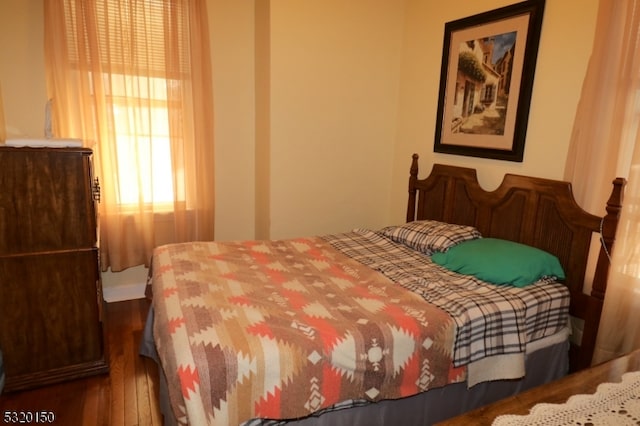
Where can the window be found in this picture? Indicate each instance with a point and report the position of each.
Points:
(142, 137)
(489, 91)
(132, 50)
(133, 79)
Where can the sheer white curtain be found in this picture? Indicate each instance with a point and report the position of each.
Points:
(620, 326)
(134, 78)
(605, 145)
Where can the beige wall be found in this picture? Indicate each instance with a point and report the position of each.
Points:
(335, 72)
(22, 67)
(232, 26)
(319, 105)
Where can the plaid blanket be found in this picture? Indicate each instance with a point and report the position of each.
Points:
(490, 320)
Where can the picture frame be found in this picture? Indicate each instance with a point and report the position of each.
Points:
(486, 81)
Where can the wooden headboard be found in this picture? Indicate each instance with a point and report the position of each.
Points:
(538, 212)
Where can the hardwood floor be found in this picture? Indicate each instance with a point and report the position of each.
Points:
(127, 396)
(583, 382)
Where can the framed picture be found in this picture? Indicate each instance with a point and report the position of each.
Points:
(488, 65)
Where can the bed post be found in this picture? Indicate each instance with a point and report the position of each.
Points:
(609, 225)
(413, 177)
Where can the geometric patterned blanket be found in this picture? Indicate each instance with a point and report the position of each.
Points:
(281, 329)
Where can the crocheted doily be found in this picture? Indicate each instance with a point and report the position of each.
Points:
(615, 404)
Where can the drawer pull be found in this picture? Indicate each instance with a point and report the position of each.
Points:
(96, 190)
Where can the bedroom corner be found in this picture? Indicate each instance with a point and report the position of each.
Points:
(374, 144)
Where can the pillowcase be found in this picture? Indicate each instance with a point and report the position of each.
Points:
(500, 262)
(430, 236)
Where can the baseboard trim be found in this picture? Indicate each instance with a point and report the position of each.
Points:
(123, 292)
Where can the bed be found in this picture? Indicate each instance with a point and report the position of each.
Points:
(385, 326)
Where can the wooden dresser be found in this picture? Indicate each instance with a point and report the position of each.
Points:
(51, 306)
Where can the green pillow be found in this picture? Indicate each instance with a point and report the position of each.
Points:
(500, 261)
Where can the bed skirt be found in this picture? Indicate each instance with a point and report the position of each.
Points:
(543, 365)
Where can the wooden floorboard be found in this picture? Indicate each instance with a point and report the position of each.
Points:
(127, 396)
